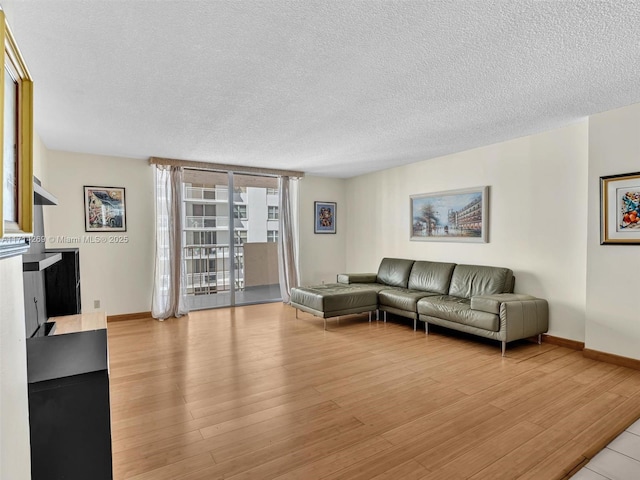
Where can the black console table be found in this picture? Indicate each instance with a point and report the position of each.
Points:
(69, 414)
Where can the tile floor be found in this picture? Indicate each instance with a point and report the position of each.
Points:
(620, 460)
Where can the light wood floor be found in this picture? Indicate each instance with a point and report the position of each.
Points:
(253, 393)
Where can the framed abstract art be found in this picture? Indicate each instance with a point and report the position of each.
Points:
(104, 209)
(325, 217)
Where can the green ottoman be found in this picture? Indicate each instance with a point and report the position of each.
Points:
(334, 300)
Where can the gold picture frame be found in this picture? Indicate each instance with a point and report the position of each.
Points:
(16, 143)
(620, 209)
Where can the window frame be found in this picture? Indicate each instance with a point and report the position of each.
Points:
(274, 208)
(240, 211)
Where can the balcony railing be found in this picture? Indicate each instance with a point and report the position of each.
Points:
(204, 193)
(202, 221)
(208, 268)
(213, 194)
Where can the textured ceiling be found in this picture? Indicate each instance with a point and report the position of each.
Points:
(334, 88)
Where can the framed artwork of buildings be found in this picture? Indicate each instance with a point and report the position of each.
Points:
(451, 216)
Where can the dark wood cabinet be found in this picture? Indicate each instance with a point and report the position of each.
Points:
(35, 308)
(69, 413)
(62, 281)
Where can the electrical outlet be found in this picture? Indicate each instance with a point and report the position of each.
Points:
(96, 304)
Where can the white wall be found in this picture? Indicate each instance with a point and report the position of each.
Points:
(119, 275)
(612, 318)
(537, 216)
(39, 159)
(14, 407)
(322, 256)
(14, 410)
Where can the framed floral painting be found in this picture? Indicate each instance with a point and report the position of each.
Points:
(620, 209)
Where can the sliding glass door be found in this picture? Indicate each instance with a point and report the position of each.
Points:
(230, 230)
(255, 212)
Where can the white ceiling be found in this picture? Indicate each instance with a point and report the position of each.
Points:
(336, 88)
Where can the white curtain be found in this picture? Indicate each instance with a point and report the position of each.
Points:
(169, 276)
(287, 240)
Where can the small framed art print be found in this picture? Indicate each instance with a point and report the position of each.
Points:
(104, 209)
(620, 209)
(325, 217)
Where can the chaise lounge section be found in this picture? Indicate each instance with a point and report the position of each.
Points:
(474, 299)
(334, 300)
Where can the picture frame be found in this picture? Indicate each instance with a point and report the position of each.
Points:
(450, 216)
(324, 217)
(16, 149)
(104, 209)
(620, 209)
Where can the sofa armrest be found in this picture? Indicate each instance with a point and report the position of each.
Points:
(521, 316)
(491, 303)
(523, 319)
(357, 278)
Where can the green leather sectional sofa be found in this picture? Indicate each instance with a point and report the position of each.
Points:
(471, 298)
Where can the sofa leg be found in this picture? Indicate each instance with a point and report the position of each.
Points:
(369, 317)
(296, 313)
(539, 339)
(504, 348)
(385, 316)
(426, 328)
(415, 324)
(325, 323)
(377, 314)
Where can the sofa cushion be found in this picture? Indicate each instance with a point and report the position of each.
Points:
(402, 298)
(470, 280)
(394, 272)
(431, 276)
(456, 309)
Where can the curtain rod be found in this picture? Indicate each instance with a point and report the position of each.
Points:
(221, 166)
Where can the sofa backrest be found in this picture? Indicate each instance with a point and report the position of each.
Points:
(471, 280)
(431, 276)
(394, 272)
